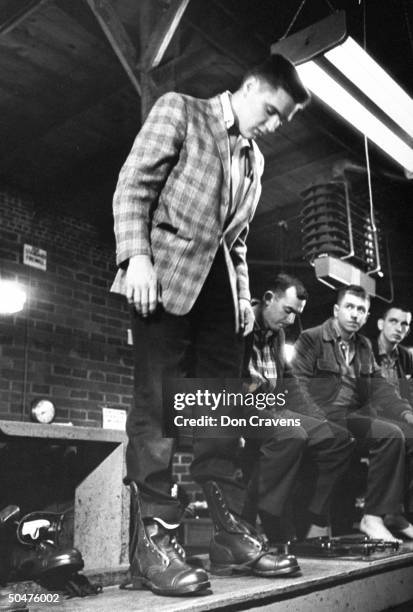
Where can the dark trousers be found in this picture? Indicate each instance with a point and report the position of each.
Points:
(201, 343)
(384, 444)
(275, 460)
(407, 430)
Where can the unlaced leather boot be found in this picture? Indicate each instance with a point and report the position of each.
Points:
(157, 561)
(236, 547)
(37, 553)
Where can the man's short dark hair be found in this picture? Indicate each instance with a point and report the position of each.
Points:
(353, 290)
(283, 281)
(396, 307)
(278, 71)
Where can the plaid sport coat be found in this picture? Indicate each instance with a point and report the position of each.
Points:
(172, 198)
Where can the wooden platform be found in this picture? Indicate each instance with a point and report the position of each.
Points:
(332, 585)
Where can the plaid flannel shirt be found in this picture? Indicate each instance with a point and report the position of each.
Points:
(263, 361)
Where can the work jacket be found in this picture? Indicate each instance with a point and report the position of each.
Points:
(317, 366)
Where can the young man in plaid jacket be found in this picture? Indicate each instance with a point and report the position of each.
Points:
(182, 207)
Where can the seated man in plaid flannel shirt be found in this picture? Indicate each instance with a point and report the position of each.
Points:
(275, 453)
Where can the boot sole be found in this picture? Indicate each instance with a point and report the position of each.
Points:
(60, 565)
(233, 570)
(288, 571)
(192, 589)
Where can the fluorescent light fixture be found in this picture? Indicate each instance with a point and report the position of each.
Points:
(346, 105)
(369, 77)
(12, 297)
(340, 72)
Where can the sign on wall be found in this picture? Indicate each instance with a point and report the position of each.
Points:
(34, 257)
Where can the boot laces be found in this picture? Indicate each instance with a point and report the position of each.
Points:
(169, 545)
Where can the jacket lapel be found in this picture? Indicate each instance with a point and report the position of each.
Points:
(246, 208)
(217, 126)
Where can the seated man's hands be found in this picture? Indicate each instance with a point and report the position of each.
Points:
(142, 287)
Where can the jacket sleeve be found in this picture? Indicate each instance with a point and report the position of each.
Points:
(154, 153)
(239, 259)
(389, 402)
(300, 375)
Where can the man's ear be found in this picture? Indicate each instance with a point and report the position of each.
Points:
(380, 324)
(268, 297)
(335, 310)
(249, 84)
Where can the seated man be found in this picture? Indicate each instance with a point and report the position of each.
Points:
(277, 452)
(340, 379)
(396, 364)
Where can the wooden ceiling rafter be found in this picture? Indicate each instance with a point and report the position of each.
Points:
(20, 15)
(183, 69)
(162, 34)
(118, 39)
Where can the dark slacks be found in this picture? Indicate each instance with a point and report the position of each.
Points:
(276, 458)
(201, 343)
(384, 444)
(407, 430)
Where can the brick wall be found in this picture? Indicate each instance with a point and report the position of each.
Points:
(181, 466)
(70, 341)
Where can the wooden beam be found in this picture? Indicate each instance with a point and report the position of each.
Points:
(163, 33)
(19, 15)
(118, 38)
(184, 67)
(149, 17)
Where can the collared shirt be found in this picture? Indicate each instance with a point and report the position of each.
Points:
(263, 362)
(241, 168)
(388, 364)
(347, 349)
(347, 393)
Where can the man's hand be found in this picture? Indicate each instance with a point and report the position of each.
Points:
(142, 289)
(408, 417)
(246, 316)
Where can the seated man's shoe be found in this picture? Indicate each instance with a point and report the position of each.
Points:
(38, 526)
(157, 561)
(44, 561)
(235, 546)
(399, 525)
(37, 554)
